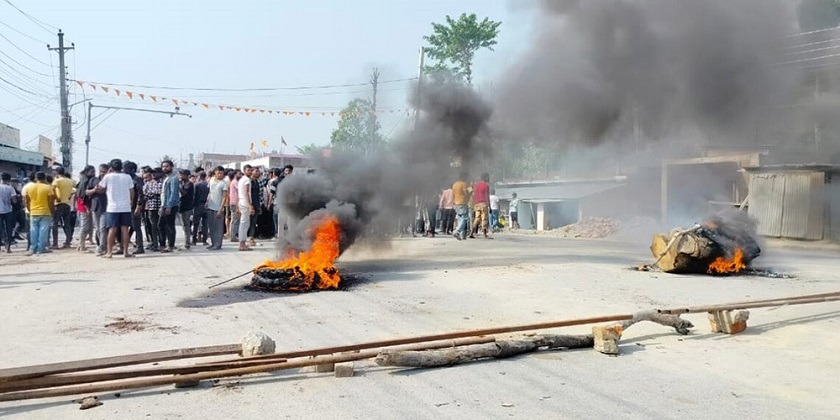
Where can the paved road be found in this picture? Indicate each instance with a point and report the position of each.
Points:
(55, 308)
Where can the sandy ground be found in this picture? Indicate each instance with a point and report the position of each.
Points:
(56, 308)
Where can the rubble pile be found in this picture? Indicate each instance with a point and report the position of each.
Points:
(589, 228)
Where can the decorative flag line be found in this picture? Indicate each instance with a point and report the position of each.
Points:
(221, 107)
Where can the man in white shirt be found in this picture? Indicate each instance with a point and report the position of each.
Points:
(246, 207)
(217, 202)
(119, 188)
(494, 210)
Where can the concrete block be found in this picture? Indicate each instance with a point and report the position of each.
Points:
(344, 370)
(729, 322)
(324, 368)
(606, 338)
(256, 343)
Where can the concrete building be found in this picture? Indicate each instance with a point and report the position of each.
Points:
(273, 160)
(212, 160)
(15, 160)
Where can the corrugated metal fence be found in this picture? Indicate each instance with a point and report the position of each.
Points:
(789, 204)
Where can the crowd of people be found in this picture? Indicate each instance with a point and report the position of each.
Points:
(123, 210)
(466, 209)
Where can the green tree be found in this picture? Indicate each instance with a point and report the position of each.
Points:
(309, 149)
(454, 44)
(354, 129)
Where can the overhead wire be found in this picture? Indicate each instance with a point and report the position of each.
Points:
(41, 24)
(23, 51)
(23, 33)
(261, 89)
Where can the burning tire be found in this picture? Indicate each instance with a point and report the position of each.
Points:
(288, 280)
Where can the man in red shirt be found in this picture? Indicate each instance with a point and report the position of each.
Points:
(481, 197)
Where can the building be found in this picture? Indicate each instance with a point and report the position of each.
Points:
(15, 160)
(212, 160)
(796, 201)
(547, 205)
(273, 160)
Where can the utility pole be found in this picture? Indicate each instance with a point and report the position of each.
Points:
(419, 86)
(66, 130)
(374, 82)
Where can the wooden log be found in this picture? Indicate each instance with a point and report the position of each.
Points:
(684, 251)
(225, 373)
(115, 361)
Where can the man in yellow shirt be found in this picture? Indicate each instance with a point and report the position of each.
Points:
(460, 200)
(63, 188)
(40, 201)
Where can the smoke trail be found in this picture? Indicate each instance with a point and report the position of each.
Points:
(662, 64)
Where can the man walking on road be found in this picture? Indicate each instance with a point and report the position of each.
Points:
(187, 204)
(170, 199)
(460, 200)
(63, 187)
(8, 196)
(481, 196)
(119, 188)
(217, 202)
(200, 221)
(152, 192)
(40, 201)
(246, 207)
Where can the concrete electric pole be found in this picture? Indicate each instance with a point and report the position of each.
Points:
(66, 130)
(419, 86)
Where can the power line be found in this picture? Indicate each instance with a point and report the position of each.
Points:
(22, 89)
(23, 51)
(20, 78)
(43, 25)
(22, 33)
(244, 89)
(24, 66)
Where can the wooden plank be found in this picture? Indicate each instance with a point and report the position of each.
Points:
(114, 361)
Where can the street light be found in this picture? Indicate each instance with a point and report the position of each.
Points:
(119, 108)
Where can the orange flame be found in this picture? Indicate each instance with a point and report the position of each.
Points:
(721, 265)
(318, 261)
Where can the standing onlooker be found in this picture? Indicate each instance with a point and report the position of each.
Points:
(119, 189)
(494, 210)
(63, 189)
(514, 211)
(447, 210)
(272, 199)
(83, 208)
(98, 205)
(217, 202)
(137, 200)
(199, 230)
(233, 229)
(40, 200)
(481, 196)
(460, 201)
(246, 207)
(170, 200)
(151, 194)
(257, 202)
(8, 196)
(187, 205)
(282, 216)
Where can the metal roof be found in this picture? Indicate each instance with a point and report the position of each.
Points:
(557, 192)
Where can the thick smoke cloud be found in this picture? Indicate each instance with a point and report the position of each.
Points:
(368, 194)
(665, 65)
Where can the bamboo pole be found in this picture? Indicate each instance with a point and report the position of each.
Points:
(115, 361)
(226, 373)
(748, 305)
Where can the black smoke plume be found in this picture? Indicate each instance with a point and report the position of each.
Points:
(664, 65)
(368, 193)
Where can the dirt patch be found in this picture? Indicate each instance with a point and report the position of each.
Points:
(124, 325)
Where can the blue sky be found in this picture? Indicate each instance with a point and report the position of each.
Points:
(224, 44)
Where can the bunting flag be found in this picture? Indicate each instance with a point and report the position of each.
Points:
(283, 140)
(222, 107)
(264, 143)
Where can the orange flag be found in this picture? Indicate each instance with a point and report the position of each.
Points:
(206, 105)
(222, 107)
(175, 101)
(238, 109)
(154, 98)
(129, 94)
(142, 96)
